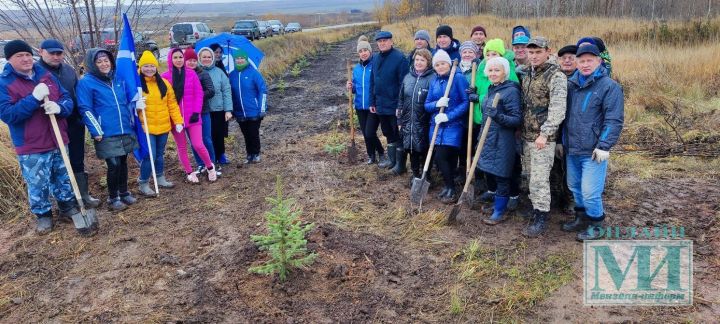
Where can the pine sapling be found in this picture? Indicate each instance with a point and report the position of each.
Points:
(285, 241)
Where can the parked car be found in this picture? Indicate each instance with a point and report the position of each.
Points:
(188, 33)
(277, 27)
(107, 41)
(265, 29)
(3, 60)
(293, 28)
(247, 28)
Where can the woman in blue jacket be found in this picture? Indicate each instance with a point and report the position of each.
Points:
(498, 155)
(360, 87)
(249, 96)
(109, 118)
(450, 121)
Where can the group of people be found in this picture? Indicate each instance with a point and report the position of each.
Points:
(556, 117)
(193, 100)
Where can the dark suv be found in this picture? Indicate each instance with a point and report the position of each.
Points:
(107, 41)
(247, 28)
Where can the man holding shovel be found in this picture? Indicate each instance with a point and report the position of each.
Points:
(24, 87)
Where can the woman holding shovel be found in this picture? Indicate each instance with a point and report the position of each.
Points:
(109, 118)
(450, 121)
(162, 112)
(498, 155)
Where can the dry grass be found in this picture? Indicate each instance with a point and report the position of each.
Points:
(12, 188)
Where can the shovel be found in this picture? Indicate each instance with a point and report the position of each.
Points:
(86, 221)
(420, 186)
(352, 151)
(471, 189)
(464, 197)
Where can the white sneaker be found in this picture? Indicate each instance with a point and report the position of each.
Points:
(212, 175)
(192, 177)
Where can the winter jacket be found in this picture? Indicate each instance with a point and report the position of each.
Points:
(544, 101)
(389, 69)
(30, 128)
(595, 113)
(498, 153)
(414, 120)
(103, 103)
(68, 80)
(361, 84)
(192, 100)
(222, 99)
(161, 112)
(453, 50)
(451, 132)
(207, 86)
(249, 94)
(482, 83)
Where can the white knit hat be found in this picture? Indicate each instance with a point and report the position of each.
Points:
(441, 56)
(498, 61)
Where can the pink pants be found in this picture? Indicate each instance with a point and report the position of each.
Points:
(196, 140)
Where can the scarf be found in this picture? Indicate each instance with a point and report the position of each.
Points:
(465, 66)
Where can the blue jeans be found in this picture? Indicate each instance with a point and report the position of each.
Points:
(207, 140)
(45, 173)
(157, 147)
(586, 180)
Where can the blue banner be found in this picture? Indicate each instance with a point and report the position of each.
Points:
(126, 69)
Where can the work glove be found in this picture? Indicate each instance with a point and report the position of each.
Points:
(599, 155)
(140, 104)
(471, 90)
(194, 118)
(51, 107)
(442, 102)
(41, 91)
(178, 128)
(441, 118)
(473, 97)
(559, 150)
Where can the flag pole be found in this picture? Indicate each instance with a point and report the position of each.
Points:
(150, 152)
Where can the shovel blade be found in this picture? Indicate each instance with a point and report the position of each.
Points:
(418, 190)
(470, 197)
(85, 223)
(455, 211)
(352, 153)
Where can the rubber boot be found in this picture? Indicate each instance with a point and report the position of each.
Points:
(127, 198)
(400, 161)
(390, 162)
(579, 223)
(82, 182)
(537, 225)
(44, 223)
(498, 215)
(67, 209)
(164, 183)
(513, 203)
(115, 204)
(145, 190)
(592, 232)
(450, 197)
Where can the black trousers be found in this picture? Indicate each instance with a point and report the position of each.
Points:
(372, 142)
(417, 161)
(514, 189)
(388, 124)
(251, 132)
(502, 185)
(76, 143)
(117, 176)
(217, 132)
(446, 158)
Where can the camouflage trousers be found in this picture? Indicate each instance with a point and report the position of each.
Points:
(45, 173)
(536, 166)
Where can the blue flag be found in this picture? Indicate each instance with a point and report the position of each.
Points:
(126, 69)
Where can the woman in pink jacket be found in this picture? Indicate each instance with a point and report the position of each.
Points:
(189, 94)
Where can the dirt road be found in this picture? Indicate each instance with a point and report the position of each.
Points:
(183, 257)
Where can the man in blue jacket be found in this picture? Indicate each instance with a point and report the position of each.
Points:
(389, 68)
(594, 122)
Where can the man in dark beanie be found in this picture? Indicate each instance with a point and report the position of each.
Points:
(446, 42)
(389, 69)
(52, 57)
(24, 88)
(478, 36)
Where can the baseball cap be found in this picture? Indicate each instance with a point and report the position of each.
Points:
(588, 49)
(539, 41)
(521, 40)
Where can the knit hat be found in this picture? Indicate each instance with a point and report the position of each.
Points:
(469, 45)
(569, 49)
(190, 54)
(423, 34)
(593, 40)
(16, 46)
(496, 45)
(363, 43)
(147, 57)
(522, 30)
(478, 28)
(444, 30)
(441, 56)
(498, 61)
(240, 53)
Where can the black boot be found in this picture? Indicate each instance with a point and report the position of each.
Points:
(67, 209)
(450, 197)
(592, 232)
(82, 182)
(390, 162)
(537, 225)
(372, 159)
(44, 223)
(579, 223)
(400, 161)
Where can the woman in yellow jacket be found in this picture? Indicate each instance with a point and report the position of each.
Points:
(160, 108)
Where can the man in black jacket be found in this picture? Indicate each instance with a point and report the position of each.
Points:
(52, 54)
(389, 68)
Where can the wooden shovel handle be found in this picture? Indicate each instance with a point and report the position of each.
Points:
(442, 110)
(480, 145)
(470, 118)
(66, 159)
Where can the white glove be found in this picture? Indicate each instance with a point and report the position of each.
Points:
(140, 104)
(51, 107)
(441, 118)
(442, 102)
(599, 155)
(41, 91)
(178, 128)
